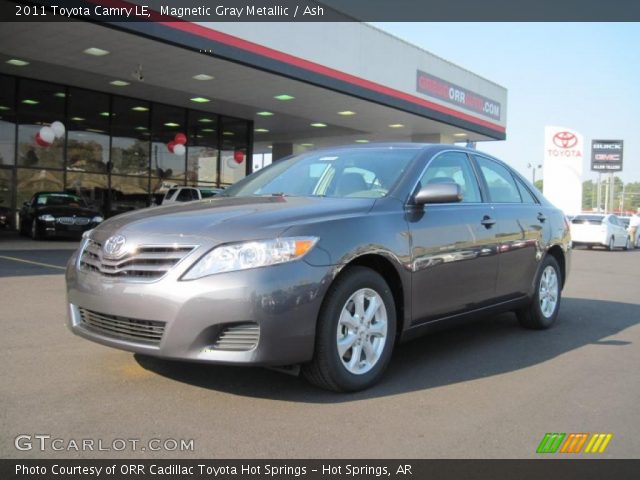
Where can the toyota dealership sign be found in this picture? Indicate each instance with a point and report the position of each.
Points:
(563, 155)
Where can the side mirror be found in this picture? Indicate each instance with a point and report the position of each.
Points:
(26, 204)
(439, 193)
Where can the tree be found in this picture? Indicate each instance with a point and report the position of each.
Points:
(539, 184)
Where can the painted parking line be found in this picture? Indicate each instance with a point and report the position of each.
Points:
(40, 264)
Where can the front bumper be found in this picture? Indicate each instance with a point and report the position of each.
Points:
(50, 229)
(282, 300)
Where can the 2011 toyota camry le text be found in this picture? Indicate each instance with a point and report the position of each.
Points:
(324, 260)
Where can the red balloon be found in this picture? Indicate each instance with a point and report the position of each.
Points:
(41, 142)
(180, 138)
(238, 156)
(171, 145)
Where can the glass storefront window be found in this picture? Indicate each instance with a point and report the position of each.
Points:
(32, 180)
(88, 131)
(39, 104)
(92, 187)
(166, 122)
(202, 154)
(233, 151)
(128, 193)
(130, 142)
(114, 150)
(7, 120)
(6, 193)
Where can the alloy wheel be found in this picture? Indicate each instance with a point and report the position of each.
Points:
(362, 331)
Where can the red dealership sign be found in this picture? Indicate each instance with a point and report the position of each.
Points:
(438, 88)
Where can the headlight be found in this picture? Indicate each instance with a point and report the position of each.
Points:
(254, 254)
(97, 219)
(47, 218)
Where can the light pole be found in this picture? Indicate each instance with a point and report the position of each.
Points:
(533, 171)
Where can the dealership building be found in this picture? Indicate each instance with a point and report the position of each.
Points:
(242, 95)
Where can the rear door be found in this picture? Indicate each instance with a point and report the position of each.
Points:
(521, 228)
(454, 246)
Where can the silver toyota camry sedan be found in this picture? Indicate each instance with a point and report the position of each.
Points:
(324, 260)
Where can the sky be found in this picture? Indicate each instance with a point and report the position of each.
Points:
(584, 76)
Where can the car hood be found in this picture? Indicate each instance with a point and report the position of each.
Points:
(63, 211)
(226, 219)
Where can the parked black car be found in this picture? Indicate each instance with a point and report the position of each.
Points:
(325, 260)
(51, 214)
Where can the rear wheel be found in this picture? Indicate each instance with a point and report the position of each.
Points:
(612, 244)
(355, 333)
(541, 313)
(627, 244)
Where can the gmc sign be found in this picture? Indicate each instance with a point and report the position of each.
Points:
(606, 155)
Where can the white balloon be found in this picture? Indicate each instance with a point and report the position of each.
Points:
(231, 163)
(47, 134)
(179, 149)
(58, 129)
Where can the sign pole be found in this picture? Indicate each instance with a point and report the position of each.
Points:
(612, 189)
(599, 193)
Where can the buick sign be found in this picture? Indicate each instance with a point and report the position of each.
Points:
(606, 155)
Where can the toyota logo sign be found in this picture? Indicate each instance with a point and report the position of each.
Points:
(113, 247)
(565, 140)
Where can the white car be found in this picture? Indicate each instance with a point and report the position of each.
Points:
(592, 229)
(626, 222)
(188, 194)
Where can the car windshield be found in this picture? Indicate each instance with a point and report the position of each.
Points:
(208, 192)
(358, 173)
(588, 219)
(59, 199)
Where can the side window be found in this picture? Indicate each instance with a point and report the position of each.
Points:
(526, 195)
(502, 187)
(184, 195)
(453, 167)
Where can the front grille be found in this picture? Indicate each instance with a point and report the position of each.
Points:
(238, 337)
(145, 263)
(73, 221)
(122, 328)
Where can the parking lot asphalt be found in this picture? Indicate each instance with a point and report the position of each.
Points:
(483, 390)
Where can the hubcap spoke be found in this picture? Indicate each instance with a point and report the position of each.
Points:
(359, 302)
(369, 352)
(347, 320)
(345, 344)
(371, 310)
(378, 329)
(356, 354)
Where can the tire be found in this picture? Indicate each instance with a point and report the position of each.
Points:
(340, 322)
(539, 315)
(627, 244)
(35, 231)
(612, 244)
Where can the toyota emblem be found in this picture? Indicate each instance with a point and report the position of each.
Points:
(565, 140)
(113, 247)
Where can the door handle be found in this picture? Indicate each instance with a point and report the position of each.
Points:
(541, 217)
(487, 221)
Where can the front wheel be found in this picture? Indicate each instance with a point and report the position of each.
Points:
(35, 231)
(355, 333)
(541, 313)
(627, 244)
(612, 244)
